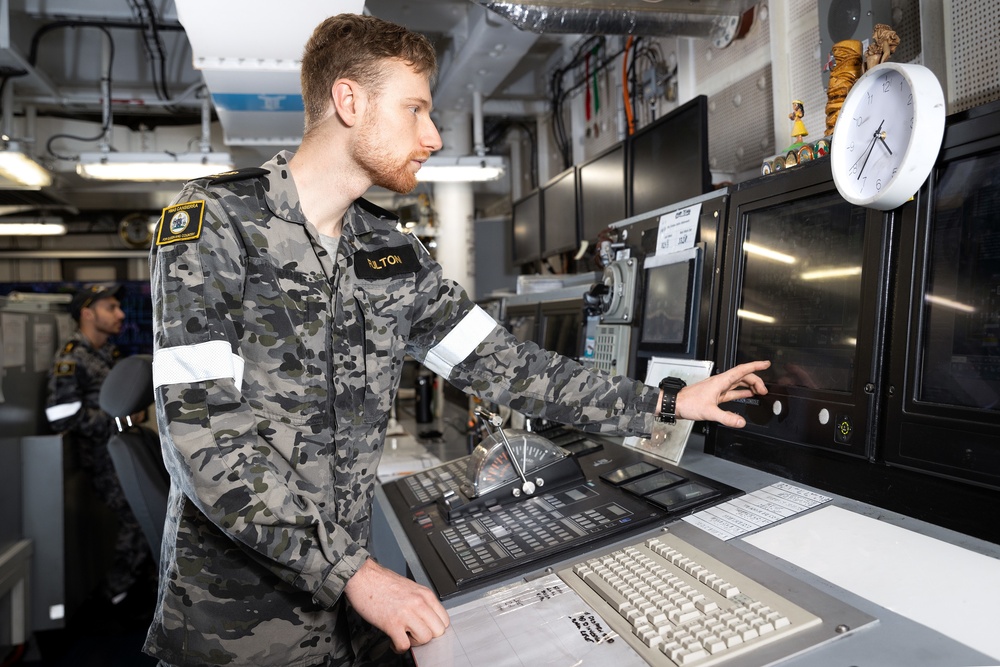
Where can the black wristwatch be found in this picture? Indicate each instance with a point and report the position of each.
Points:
(668, 406)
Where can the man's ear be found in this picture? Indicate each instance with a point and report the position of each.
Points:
(347, 101)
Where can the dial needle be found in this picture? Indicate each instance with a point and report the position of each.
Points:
(881, 138)
(871, 145)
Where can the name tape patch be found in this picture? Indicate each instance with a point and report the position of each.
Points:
(181, 222)
(386, 263)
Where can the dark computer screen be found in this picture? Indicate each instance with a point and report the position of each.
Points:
(800, 300)
(522, 322)
(560, 220)
(666, 309)
(943, 415)
(669, 158)
(561, 328)
(602, 192)
(527, 228)
(960, 342)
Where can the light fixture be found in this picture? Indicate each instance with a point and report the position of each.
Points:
(767, 253)
(19, 171)
(459, 169)
(114, 166)
(32, 226)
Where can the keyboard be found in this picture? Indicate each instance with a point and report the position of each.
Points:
(677, 605)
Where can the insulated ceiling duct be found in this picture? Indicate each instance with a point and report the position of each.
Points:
(653, 18)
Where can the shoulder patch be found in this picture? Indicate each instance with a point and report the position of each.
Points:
(386, 262)
(181, 222)
(236, 175)
(64, 368)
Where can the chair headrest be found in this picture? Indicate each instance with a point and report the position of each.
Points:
(128, 387)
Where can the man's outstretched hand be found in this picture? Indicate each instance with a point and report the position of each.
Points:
(700, 401)
(410, 614)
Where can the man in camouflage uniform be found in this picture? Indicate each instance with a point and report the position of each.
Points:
(283, 308)
(74, 384)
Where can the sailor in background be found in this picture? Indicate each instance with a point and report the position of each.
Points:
(74, 384)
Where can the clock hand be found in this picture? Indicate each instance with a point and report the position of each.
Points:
(882, 139)
(870, 147)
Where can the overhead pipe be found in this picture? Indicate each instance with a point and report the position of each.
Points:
(478, 140)
(653, 22)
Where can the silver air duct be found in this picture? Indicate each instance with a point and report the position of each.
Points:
(681, 18)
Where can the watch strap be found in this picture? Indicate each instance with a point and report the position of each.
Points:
(670, 386)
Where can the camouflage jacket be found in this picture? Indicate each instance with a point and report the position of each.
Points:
(74, 385)
(275, 367)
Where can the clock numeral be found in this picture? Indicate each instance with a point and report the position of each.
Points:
(863, 182)
(885, 84)
(854, 169)
(869, 97)
(858, 120)
(894, 170)
(911, 122)
(850, 146)
(909, 100)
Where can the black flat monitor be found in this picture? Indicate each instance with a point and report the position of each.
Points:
(681, 285)
(559, 224)
(668, 158)
(804, 286)
(522, 321)
(527, 228)
(944, 417)
(561, 326)
(603, 192)
(670, 303)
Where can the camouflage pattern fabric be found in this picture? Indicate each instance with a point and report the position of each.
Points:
(74, 384)
(276, 366)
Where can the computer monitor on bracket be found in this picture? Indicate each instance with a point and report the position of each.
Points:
(943, 416)
(668, 158)
(526, 243)
(603, 192)
(804, 286)
(560, 221)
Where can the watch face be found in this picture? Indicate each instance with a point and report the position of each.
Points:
(888, 135)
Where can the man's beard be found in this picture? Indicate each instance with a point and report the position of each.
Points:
(384, 169)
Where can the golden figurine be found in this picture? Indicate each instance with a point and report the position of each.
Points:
(798, 127)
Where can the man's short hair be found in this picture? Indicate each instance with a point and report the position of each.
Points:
(355, 47)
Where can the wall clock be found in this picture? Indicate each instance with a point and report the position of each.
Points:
(888, 135)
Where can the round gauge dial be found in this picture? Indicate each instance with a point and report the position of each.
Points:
(490, 466)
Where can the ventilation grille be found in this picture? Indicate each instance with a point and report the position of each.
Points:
(974, 54)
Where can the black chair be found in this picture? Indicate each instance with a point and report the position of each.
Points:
(135, 450)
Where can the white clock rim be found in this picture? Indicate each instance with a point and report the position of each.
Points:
(926, 125)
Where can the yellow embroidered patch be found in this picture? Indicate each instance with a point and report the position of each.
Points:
(181, 222)
(64, 368)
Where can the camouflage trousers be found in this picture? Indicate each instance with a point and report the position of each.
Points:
(132, 555)
(370, 647)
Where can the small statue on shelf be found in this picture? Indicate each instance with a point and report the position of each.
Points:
(881, 46)
(798, 127)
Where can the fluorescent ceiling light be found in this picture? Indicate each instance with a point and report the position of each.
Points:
(464, 169)
(768, 253)
(21, 171)
(945, 302)
(151, 166)
(756, 317)
(831, 274)
(38, 226)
